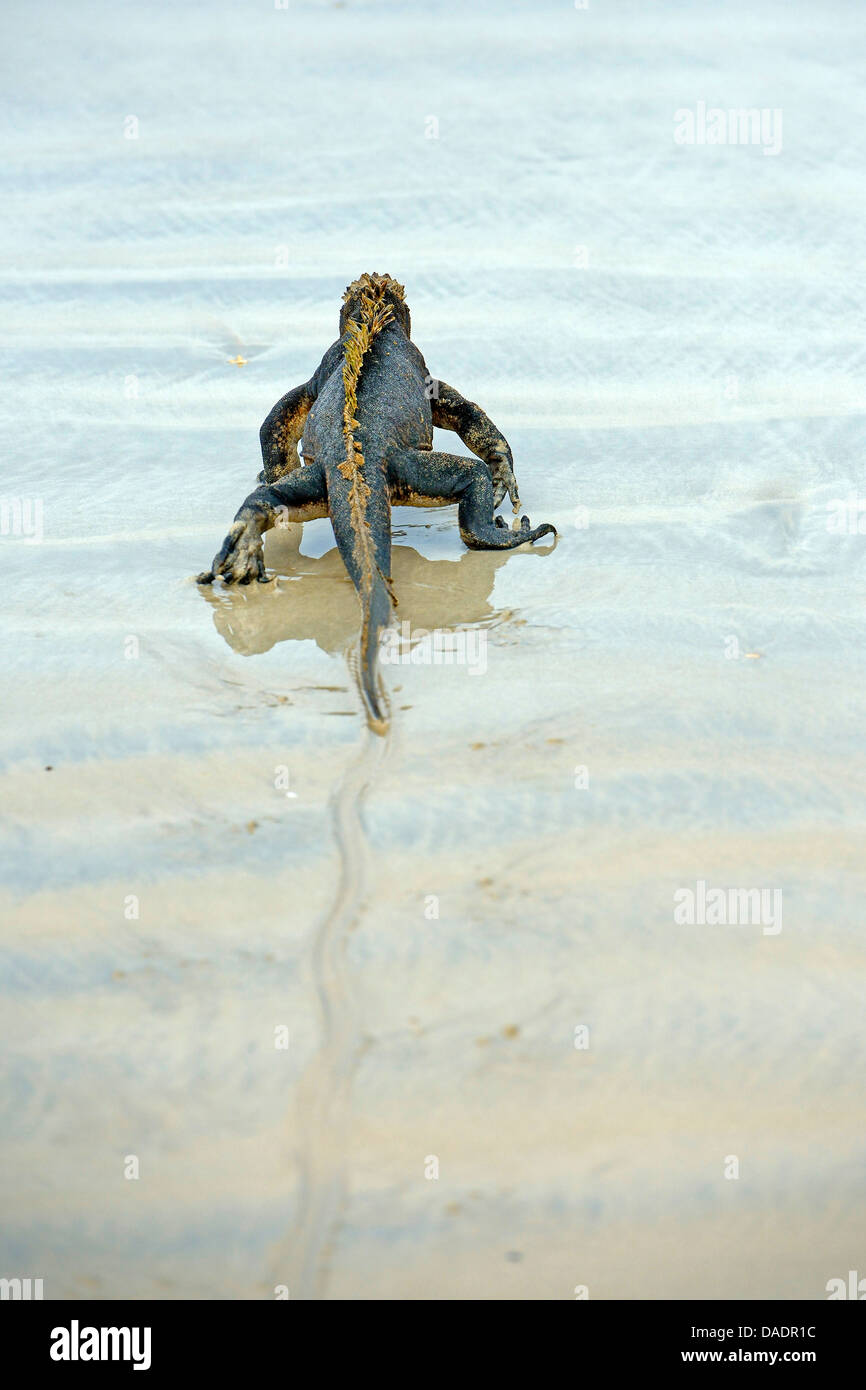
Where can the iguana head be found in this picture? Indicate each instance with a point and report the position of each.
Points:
(367, 293)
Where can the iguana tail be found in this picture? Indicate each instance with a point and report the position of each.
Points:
(376, 607)
(365, 546)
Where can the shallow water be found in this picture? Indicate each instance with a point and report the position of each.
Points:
(684, 399)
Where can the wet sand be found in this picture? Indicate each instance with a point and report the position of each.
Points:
(670, 694)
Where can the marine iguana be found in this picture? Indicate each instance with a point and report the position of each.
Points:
(365, 424)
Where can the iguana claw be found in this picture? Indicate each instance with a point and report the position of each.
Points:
(240, 559)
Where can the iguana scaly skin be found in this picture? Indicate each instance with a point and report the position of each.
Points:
(365, 423)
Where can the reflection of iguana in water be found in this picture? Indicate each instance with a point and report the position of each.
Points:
(313, 599)
(365, 420)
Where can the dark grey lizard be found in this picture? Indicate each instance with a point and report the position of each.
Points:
(365, 422)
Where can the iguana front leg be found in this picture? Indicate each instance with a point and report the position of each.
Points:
(301, 497)
(281, 431)
(284, 425)
(451, 411)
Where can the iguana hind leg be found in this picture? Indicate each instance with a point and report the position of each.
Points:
(302, 496)
(427, 478)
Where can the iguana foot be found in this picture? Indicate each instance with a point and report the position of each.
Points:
(501, 467)
(524, 528)
(299, 497)
(241, 558)
(477, 536)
